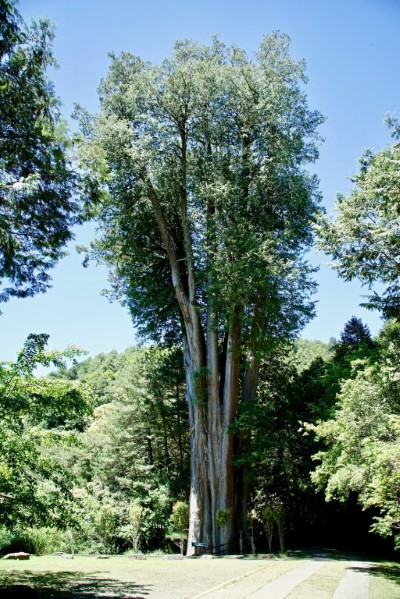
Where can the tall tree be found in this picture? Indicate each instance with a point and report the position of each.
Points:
(143, 428)
(362, 440)
(204, 227)
(136, 448)
(36, 418)
(354, 337)
(364, 237)
(37, 207)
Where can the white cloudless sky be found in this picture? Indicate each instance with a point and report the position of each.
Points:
(352, 50)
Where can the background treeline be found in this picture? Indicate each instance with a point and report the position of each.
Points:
(95, 456)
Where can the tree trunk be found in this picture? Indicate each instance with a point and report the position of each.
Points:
(212, 409)
(213, 414)
(225, 500)
(212, 505)
(249, 388)
(200, 524)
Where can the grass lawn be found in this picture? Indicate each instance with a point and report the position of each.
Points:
(384, 581)
(157, 578)
(88, 577)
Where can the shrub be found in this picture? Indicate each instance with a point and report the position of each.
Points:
(34, 540)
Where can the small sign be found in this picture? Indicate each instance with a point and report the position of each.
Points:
(200, 544)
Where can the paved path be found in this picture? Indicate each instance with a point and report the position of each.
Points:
(355, 583)
(244, 585)
(281, 587)
(315, 578)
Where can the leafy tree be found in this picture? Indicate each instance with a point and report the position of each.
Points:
(35, 415)
(306, 351)
(135, 516)
(320, 382)
(279, 458)
(361, 452)
(135, 451)
(140, 437)
(37, 203)
(99, 372)
(364, 237)
(106, 523)
(204, 225)
(268, 521)
(179, 521)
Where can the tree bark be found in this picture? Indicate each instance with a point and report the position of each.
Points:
(225, 467)
(213, 414)
(212, 407)
(200, 522)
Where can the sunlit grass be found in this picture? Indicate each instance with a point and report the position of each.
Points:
(384, 581)
(121, 576)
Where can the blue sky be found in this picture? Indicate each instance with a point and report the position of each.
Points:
(352, 51)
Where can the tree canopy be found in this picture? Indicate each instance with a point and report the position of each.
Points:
(37, 203)
(364, 237)
(203, 156)
(37, 420)
(361, 452)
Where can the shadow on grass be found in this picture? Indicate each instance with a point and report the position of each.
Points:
(388, 570)
(67, 585)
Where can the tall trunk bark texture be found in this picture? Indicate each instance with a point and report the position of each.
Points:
(211, 413)
(212, 393)
(248, 396)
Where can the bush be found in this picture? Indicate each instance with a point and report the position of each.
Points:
(6, 540)
(34, 540)
(48, 540)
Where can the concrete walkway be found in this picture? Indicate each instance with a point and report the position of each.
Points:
(355, 583)
(281, 587)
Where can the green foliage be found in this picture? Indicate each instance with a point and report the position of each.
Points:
(273, 514)
(278, 460)
(320, 383)
(39, 541)
(354, 337)
(222, 516)
(306, 351)
(268, 520)
(134, 454)
(38, 205)
(138, 443)
(98, 372)
(180, 517)
(106, 524)
(224, 145)
(97, 522)
(362, 441)
(200, 386)
(205, 220)
(36, 418)
(364, 239)
(179, 520)
(134, 528)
